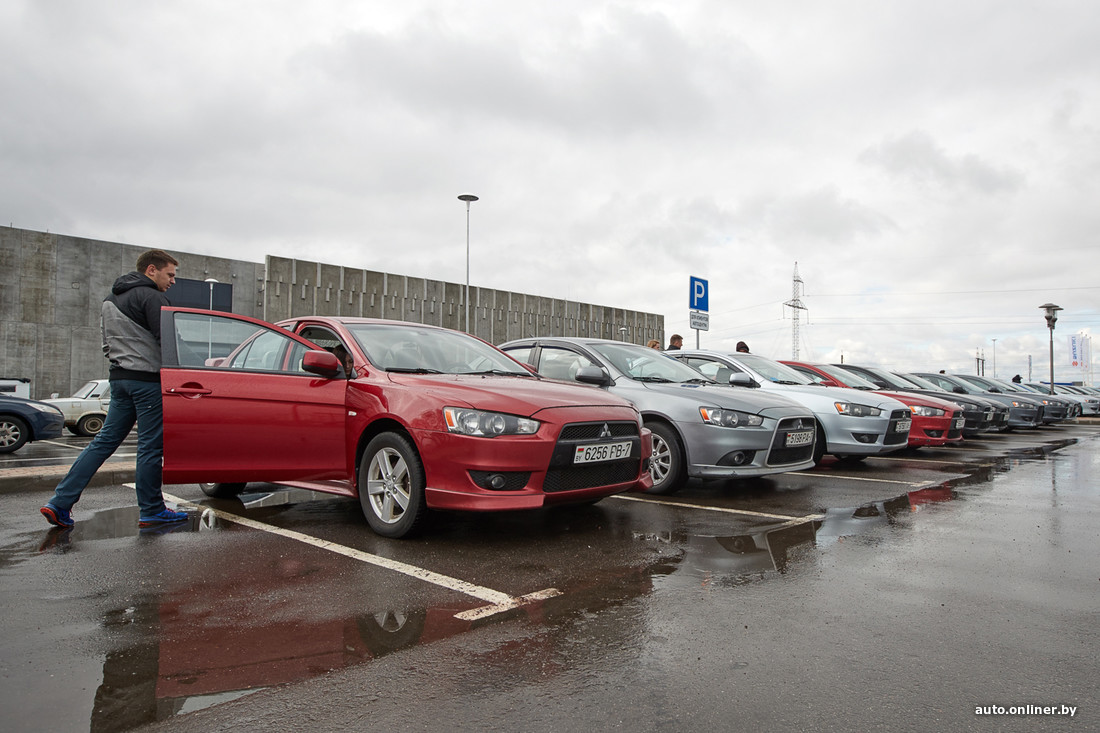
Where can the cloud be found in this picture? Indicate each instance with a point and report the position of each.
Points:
(917, 158)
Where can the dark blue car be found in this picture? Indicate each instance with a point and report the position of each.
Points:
(23, 420)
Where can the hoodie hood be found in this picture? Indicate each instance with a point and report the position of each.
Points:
(132, 280)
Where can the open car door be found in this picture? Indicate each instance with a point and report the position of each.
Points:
(248, 401)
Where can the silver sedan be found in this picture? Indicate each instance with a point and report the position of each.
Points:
(701, 429)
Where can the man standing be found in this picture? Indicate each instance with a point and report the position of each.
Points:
(675, 342)
(130, 319)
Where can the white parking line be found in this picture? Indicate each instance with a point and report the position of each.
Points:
(498, 601)
(724, 510)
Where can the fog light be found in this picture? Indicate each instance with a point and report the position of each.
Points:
(865, 437)
(496, 481)
(737, 458)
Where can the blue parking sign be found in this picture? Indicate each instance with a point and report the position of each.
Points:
(699, 294)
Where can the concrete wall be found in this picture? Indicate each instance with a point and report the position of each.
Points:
(51, 287)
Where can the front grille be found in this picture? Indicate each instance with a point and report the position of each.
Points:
(892, 436)
(780, 455)
(589, 477)
(564, 475)
(591, 431)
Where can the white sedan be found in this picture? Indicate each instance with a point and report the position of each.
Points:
(86, 410)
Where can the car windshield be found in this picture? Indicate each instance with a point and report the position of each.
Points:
(644, 364)
(847, 378)
(922, 382)
(418, 350)
(773, 371)
(890, 379)
(86, 391)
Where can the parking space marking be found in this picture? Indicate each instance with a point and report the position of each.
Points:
(497, 600)
(724, 510)
(920, 484)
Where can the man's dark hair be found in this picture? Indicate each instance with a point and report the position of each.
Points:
(158, 258)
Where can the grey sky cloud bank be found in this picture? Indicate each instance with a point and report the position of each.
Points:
(932, 167)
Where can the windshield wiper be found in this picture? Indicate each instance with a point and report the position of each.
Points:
(652, 379)
(413, 370)
(497, 373)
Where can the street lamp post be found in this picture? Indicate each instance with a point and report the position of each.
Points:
(1052, 318)
(994, 358)
(210, 324)
(468, 198)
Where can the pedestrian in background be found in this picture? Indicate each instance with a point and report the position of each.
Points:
(742, 347)
(654, 344)
(130, 321)
(675, 342)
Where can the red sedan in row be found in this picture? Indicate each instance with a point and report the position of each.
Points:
(935, 421)
(405, 416)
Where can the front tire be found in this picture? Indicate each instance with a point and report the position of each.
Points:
(391, 486)
(89, 425)
(13, 434)
(666, 466)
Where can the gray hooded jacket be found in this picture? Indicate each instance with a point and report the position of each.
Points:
(130, 318)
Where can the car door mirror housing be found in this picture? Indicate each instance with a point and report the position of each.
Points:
(321, 363)
(592, 374)
(740, 379)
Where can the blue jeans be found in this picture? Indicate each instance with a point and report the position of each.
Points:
(132, 402)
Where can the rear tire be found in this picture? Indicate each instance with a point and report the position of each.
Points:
(222, 491)
(391, 486)
(666, 466)
(89, 425)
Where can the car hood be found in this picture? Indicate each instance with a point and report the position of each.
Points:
(514, 395)
(816, 397)
(734, 398)
(922, 398)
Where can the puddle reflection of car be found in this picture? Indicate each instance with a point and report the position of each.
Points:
(849, 521)
(407, 417)
(730, 559)
(700, 429)
(86, 409)
(23, 420)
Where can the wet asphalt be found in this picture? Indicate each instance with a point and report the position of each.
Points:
(901, 593)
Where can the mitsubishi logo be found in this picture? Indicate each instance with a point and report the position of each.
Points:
(605, 432)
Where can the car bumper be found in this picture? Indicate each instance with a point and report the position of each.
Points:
(862, 436)
(525, 472)
(933, 431)
(722, 453)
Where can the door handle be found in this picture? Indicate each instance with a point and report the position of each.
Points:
(187, 391)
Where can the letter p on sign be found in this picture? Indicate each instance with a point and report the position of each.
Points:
(699, 296)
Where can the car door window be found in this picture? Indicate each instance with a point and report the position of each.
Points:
(558, 363)
(225, 343)
(521, 354)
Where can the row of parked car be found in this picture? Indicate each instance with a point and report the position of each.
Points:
(410, 418)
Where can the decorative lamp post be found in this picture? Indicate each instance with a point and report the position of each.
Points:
(468, 198)
(1052, 318)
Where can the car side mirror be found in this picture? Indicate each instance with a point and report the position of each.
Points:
(740, 379)
(592, 374)
(959, 390)
(321, 363)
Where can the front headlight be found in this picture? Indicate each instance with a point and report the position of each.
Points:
(487, 424)
(729, 418)
(925, 411)
(856, 410)
(43, 407)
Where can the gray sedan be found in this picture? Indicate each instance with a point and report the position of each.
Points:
(701, 429)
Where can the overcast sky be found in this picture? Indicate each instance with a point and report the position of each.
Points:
(933, 166)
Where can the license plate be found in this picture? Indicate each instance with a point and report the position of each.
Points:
(903, 426)
(804, 438)
(602, 452)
